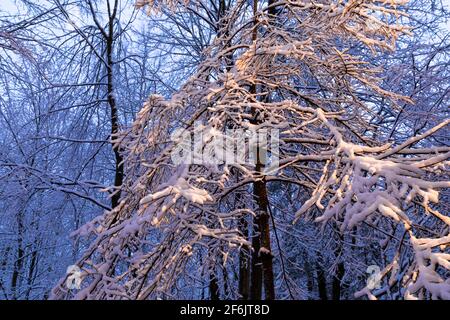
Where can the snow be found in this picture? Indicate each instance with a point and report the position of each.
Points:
(181, 189)
(176, 218)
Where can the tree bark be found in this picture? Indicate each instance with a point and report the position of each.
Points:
(15, 281)
(340, 272)
(264, 251)
(119, 172)
(244, 263)
(321, 282)
(213, 286)
(262, 264)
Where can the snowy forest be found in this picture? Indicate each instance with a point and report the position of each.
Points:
(135, 162)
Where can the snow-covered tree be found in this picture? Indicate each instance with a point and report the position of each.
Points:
(304, 69)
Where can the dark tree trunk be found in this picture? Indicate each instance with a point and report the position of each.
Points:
(262, 264)
(119, 173)
(337, 279)
(31, 272)
(213, 286)
(262, 223)
(309, 276)
(244, 263)
(18, 264)
(321, 283)
(256, 283)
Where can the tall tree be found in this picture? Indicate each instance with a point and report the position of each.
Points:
(320, 95)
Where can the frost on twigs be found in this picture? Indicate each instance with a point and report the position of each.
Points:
(156, 5)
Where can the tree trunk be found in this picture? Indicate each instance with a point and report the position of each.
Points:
(321, 283)
(213, 286)
(118, 177)
(244, 263)
(262, 267)
(337, 279)
(15, 281)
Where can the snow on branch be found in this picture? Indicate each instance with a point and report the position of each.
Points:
(366, 182)
(300, 77)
